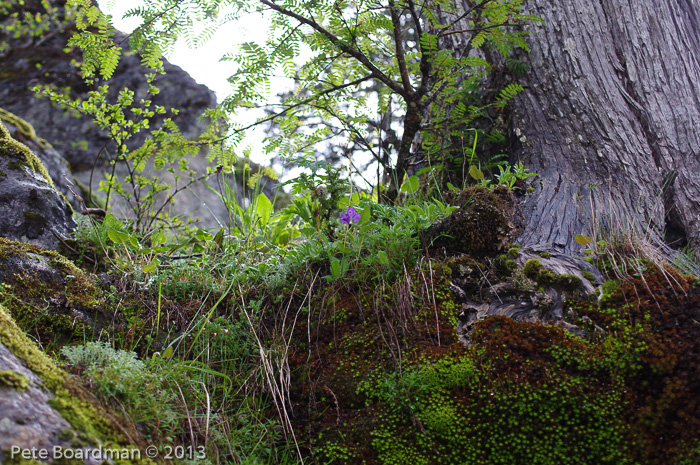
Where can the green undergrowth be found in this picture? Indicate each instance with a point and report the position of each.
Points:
(342, 347)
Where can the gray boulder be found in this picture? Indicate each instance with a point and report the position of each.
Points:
(31, 209)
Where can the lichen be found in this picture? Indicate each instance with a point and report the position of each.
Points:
(14, 380)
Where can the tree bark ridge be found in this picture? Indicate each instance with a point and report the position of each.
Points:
(608, 119)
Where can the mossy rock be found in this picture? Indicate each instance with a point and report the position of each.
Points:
(486, 223)
(16, 149)
(47, 294)
(13, 380)
(45, 408)
(31, 209)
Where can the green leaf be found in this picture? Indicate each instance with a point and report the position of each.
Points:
(475, 173)
(335, 268)
(383, 258)
(411, 185)
(365, 215)
(151, 267)
(263, 208)
(583, 240)
(158, 239)
(123, 238)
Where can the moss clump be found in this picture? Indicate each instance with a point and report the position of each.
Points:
(569, 281)
(24, 127)
(544, 254)
(514, 251)
(588, 275)
(14, 380)
(534, 270)
(486, 223)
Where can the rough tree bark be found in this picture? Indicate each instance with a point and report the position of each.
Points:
(610, 119)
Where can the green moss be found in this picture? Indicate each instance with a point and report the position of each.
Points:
(14, 380)
(69, 400)
(609, 290)
(43, 301)
(80, 289)
(534, 270)
(481, 226)
(24, 127)
(568, 281)
(514, 251)
(544, 254)
(12, 148)
(588, 275)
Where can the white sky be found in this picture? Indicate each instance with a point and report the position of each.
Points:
(203, 63)
(204, 66)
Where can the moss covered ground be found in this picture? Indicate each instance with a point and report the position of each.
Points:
(284, 364)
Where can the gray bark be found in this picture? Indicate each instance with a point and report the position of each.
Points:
(609, 120)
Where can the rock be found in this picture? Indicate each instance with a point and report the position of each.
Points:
(41, 60)
(45, 412)
(51, 298)
(55, 164)
(31, 209)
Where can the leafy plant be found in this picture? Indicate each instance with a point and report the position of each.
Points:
(392, 58)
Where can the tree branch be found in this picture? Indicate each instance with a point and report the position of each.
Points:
(375, 72)
(400, 53)
(306, 101)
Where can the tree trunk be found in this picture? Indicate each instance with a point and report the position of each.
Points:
(610, 120)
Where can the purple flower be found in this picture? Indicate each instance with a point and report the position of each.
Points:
(350, 216)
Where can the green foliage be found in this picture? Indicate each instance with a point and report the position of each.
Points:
(323, 188)
(20, 21)
(120, 374)
(365, 60)
(509, 175)
(380, 247)
(146, 197)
